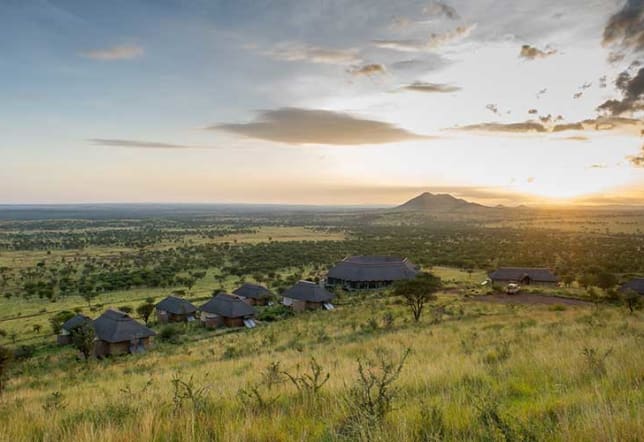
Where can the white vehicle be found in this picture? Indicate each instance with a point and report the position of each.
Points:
(512, 288)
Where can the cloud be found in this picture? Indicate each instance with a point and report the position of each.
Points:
(569, 126)
(626, 27)
(368, 69)
(527, 126)
(531, 53)
(420, 86)
(434, 41)
(437, 9)
(137, 144)
(313, 54)
(627, 126)
(125, 52)
(637, 160)
(632, 89)
(314, 126)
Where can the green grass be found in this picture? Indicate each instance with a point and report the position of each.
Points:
(482, 370)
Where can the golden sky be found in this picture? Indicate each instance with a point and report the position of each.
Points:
(335, 102)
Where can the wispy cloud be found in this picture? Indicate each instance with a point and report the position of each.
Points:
(368, 69)
(419, 86)
(627, 126)
(532, 53)
(313, 54)
(125, 52)
(313, 126)
(111, 142)
(434, 41)
(637, 160)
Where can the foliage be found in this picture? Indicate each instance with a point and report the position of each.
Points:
(631, 299)
(6, 356)
(418, 291)
(311, 382)
(59, 319)
(145, 310)
(83, 339)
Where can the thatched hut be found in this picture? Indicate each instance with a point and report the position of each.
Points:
(253, 294)
(370, 272)
(117, 333)
(524, 276)
(307, 295)
(635, 284)
(65, 335)
(227, 310)
(175, 309)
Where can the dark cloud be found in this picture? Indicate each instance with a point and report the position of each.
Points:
(531, 53)
(368, 69)
(533, 111)
(137, 144)
(492, 108)
(632, 89)
(441, 9)
(626, 27)
(420, 86)
(313, 126)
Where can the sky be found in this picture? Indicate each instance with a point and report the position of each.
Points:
(322, 101)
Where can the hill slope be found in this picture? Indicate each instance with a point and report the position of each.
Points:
(440, 203)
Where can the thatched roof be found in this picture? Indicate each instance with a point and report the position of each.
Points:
(308, 291)
(253, 291)
(520, 273)
(75, 322)
(373, 268)
(176, 306)
(116, 326)
(228, 306)
(636, 284)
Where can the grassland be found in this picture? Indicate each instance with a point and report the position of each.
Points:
(477, 372)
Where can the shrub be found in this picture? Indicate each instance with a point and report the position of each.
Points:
(169, 333)
(125, 309)
(23, 352)
(275, 313)
(59, 319)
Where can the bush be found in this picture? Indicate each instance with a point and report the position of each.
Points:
(23, 352)
(59, 319)
(274, 313)
(169, 333)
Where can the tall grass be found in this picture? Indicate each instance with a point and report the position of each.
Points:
(483, 372)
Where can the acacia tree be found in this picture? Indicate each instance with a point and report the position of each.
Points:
(145, 310)
(418, 291)
(5, 357)
(83, 339)
(631, 299)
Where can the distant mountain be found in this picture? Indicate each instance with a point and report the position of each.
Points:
(430, 202)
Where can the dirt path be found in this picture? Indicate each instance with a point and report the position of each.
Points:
(527, 299)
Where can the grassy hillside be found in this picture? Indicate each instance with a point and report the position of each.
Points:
(474, 371)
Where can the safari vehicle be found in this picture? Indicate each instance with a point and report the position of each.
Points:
(512, 288)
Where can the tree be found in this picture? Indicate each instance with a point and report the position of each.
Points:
(606, 280)
(631, 299)
(83, 339)
(59, 319)
(145, 310)
(5, 358)
(418, 291)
